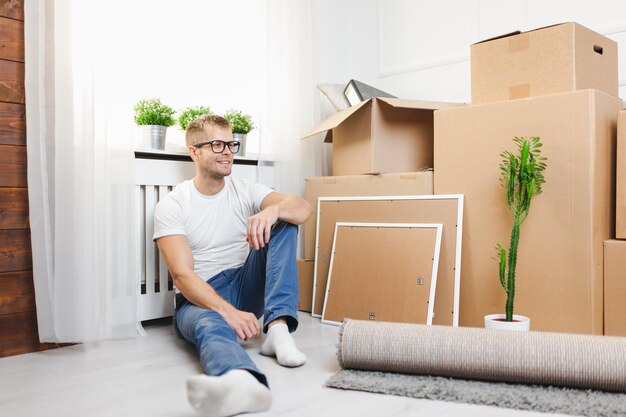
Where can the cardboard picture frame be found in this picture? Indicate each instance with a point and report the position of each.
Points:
(445, 208)
(401, 241)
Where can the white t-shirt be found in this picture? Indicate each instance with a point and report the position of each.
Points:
(215, 225)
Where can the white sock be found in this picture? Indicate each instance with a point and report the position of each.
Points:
(279, 343)
(235, 392)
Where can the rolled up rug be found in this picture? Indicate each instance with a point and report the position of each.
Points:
(570, 360)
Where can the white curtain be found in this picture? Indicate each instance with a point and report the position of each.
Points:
(80, 176)
(290, 94)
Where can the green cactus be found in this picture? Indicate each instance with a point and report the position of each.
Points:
(522, 178)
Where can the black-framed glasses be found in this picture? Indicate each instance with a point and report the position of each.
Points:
(218, 146)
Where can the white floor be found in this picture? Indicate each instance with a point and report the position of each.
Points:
(146, 377)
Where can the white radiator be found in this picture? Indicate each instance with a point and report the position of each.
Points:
(154, 178)
(156, 297)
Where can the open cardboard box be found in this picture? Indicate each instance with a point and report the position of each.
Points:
(560, 260)
(554, 59)
(381, 135)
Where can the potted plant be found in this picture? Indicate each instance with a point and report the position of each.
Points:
(522, 178)
(241, 126)
(190, 114)
(155, 118)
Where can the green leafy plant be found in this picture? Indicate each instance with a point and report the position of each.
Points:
(190, 114)
(241, 123)
(153, 112)
(522, 178)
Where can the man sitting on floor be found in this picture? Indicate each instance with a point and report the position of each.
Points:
(204, 229)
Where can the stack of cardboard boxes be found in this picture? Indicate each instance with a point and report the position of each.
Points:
(558, 83)
(380, 147)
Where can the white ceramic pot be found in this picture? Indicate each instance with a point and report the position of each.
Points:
(241, 137)
(154, 136)
(497, 321)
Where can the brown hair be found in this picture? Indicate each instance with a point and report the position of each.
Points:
(196, 130)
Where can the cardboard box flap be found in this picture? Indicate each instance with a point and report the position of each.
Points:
(506, 35)
(517, 32)
(334, 121)
(417, 104)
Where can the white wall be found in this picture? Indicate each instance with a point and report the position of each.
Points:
(255, 55)
(420, 49)
(188, 53)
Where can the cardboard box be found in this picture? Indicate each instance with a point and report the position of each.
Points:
(408, 183)
(305, 282)
(620, 181)
(381, 135)
(560, 260)
(555, 59)
(615, 287)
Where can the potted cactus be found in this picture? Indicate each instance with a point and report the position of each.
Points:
(522, 178)
(241, 126)
(155, 117)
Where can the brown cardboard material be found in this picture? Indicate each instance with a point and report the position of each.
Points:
(443, 209)
(615, 287)
(305, 283)
(382, 271)
(555, 59)
(381, 135)
(620, 181)
(559, 267)
(407, 183)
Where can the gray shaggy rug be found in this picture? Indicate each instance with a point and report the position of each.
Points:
(546, 399)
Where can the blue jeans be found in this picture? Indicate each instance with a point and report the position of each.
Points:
(266, 285)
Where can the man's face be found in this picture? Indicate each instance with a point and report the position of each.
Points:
(216, 165)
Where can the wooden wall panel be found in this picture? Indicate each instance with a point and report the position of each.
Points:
(18, 319)
(12, 124)
(12, 8)
(12, 166)
(17, 292)
(13, 208)
(15, 250)
(11, 39)
(19, 333)
(12, 82)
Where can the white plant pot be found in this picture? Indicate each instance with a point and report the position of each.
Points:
(497, 321)
(241, 137)
(154, 136)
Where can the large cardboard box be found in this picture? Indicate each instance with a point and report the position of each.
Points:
(381, 135)
(305, 283)
(559, 267)
(615, 288)
(407, 183)
(620, 182)
(560, 58)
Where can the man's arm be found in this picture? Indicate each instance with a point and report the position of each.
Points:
(274, 207)
(179, 260)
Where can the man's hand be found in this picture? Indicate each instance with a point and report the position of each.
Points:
(260, 227)
(243, 323)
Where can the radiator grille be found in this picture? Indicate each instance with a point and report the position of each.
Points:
(156, 284)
